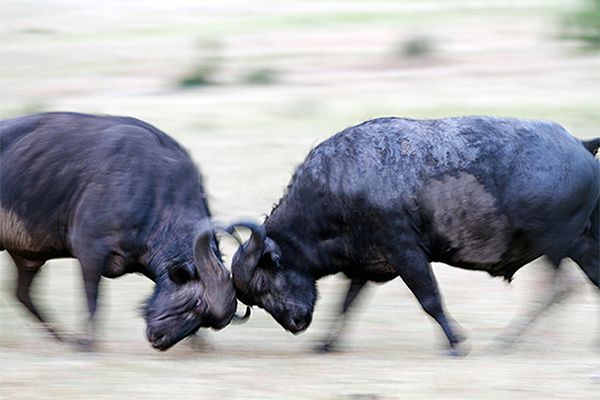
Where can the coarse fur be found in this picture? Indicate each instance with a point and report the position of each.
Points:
(389, 196)
(122, 197)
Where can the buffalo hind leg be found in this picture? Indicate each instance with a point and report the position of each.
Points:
(417, 274)
(339, 324)
(561, 285)
(548, 293)
(26, 272)
(587, 252)
(587, 256)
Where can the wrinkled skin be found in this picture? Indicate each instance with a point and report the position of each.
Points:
(180, 304)
(121, 197)
(388, 197)
(179, 310)
(289, 296)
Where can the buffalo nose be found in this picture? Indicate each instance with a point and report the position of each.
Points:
(158, 341)
(219, 324)
(298, 324)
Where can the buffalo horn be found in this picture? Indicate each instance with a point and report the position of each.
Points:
(240, 319)
(211, 271)
(248, 254)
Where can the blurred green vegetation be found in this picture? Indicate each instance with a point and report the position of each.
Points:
(266, 81)
(584, 25)
(419, 46)
(209, 58)
(262, 76)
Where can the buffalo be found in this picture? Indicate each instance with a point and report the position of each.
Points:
(389, 196)
(122, 197)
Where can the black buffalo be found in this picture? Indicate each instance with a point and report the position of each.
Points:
(121, 197)
(389, 196)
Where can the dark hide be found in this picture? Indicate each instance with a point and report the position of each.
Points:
(389, 196)
(121, 197)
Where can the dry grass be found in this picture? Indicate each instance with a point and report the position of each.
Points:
(337, 63)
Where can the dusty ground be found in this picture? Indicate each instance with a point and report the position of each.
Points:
(334, 64)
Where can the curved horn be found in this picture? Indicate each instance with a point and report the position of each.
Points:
(212, 273)
(242, 319)
(258, 232)
(247, 256)
(203, 247)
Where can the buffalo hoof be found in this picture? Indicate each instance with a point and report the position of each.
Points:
(505, 342)
(327, 347)
(461, 337)
(84, 343)
(460, 349)
(52, 330)
(324, 348)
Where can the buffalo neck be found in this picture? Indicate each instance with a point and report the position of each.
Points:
(171, 243)
(305, 249)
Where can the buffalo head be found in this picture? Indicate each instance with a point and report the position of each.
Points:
(190, 295)
(261, 277)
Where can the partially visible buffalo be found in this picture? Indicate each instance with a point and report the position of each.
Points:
(121, 197)
(389, 196)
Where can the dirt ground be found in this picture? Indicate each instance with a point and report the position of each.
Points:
(283, 76)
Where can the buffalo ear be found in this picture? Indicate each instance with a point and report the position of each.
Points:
(179, 274)
(273, 251)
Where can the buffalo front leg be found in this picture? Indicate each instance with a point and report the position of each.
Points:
(339, 324)
(92, 263)
(26, 272)
(91, 281)
(416, 272)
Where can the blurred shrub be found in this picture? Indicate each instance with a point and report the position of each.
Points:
(262, 76)
(419, 46)
(584, 25)
(209, 62)
(199, 77)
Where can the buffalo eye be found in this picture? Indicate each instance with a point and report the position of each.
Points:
(179, 275)
(261, 285)
(198, 303)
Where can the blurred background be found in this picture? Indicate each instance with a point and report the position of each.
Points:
(249, 87)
